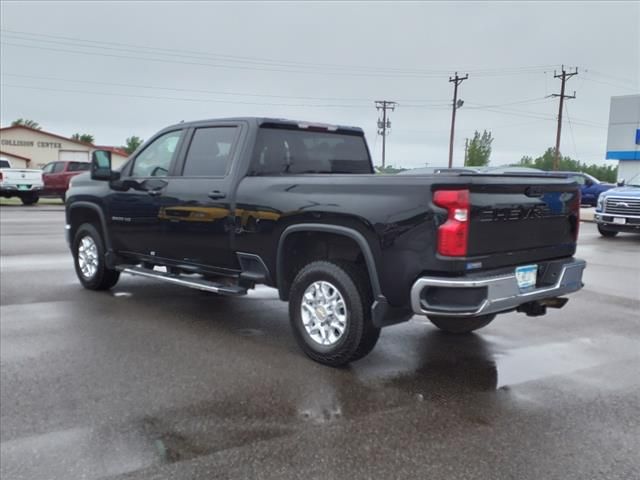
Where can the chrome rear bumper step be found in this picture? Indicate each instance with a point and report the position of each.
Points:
(495, 294)
(197, 283)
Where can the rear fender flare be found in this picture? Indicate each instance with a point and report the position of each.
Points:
(338, 230)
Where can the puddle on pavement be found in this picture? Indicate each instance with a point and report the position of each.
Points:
(197, 436)
(432, 365)
(122, 294)
(526, 364)
(116, 450)
(262, 292)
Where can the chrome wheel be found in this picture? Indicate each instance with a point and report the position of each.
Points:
(324, 313)
(88, 257)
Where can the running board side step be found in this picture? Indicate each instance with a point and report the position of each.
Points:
(197, 283)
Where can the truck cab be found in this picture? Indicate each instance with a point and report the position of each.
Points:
(590, 187)
(57, 175)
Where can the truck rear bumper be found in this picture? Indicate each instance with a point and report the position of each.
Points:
(488, 293)
(16, 189)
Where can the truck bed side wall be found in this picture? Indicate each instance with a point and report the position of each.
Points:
(397, 224)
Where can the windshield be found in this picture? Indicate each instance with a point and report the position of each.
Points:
(593, 179)
(634, 181)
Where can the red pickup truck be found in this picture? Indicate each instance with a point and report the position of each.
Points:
(56, 176)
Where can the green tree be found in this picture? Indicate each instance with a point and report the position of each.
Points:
(25, 122)
(131, 144)
(605, 173)
(83, 137)
(526, 161)
(479, 149)
(389, 170)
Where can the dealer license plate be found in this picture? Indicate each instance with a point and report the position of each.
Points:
(23, 187)
(526, 276)
(619, 220)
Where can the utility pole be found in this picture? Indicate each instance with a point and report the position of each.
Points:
(466, 150)
(384, 123)
(564, 76)
(456, 105)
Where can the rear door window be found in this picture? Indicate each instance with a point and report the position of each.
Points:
(209, 153)
(58, 167)
(579, 179)
(78, 167)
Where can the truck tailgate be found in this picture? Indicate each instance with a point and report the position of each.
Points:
(20, 176)
(522, 214)
(504, 220)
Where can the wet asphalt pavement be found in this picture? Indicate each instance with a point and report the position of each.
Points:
(153, 381)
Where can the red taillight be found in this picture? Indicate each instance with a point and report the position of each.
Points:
(454, 233)
(0, 176)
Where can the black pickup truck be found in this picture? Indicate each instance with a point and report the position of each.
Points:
(223, 205)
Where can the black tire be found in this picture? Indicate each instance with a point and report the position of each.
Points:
(104, 278)
(461, 325)
(359, 336)
(29, 198)
(607, 233)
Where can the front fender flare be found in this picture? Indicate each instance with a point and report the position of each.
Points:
(99, 212)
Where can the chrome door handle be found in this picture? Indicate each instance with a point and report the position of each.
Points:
(217, 195)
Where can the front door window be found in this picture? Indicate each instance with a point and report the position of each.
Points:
(155, 159)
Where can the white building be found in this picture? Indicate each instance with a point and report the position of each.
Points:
(31, 148)
(623, 140)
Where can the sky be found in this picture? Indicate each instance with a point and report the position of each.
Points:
(116, 69)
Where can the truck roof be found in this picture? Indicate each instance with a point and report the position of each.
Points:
(259, 121)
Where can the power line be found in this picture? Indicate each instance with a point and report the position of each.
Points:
(398, 75)
(201, 64)
(617, 85)
(563, 76)
(541, 116)
(517, 113)
(418, 104)
(174, 89)
(78, 43)
(573, 139)
(201, 55)
(480, 106)
(384, 124)
(456, 105)
(612, 77)
(233, 102)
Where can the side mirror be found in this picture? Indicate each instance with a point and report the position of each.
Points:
(620, 183)
(101, 165)
(588, 183)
